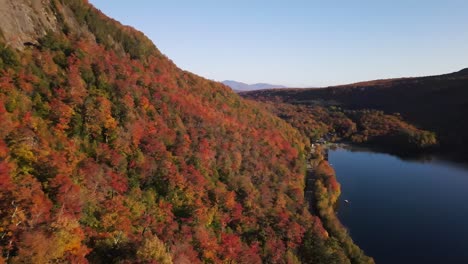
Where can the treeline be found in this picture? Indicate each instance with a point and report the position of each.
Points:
(327, 192)
(120, 39)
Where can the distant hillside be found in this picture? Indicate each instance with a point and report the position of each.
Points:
(240, 86)
(437, 103)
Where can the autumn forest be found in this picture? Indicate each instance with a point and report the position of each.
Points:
(109, 153)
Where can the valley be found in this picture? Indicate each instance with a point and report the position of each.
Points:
(369, 196)
(112, 153)
(438, 104)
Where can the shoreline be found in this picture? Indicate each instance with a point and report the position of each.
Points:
(322, 192)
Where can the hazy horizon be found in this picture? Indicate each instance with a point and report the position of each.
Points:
(303, 43)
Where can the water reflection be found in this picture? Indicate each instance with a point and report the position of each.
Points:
(403, 211)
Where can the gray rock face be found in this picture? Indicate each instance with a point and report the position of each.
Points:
(24, 21)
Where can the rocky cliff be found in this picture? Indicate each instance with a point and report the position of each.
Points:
(25, 21)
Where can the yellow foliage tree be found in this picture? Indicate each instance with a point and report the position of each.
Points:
(154, 249)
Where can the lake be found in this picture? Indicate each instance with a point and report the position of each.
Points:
(403, 211)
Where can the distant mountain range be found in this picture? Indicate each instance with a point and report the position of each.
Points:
(240, 86)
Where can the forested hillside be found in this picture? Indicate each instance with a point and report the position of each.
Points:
(111, 154)
(389, 133)
(434, 103)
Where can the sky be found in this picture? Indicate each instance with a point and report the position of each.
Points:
(303, 43)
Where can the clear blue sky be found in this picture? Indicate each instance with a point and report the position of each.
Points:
(303, 43)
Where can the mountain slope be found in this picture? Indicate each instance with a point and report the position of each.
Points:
(436, 103)
(240, 86)
(110, 153)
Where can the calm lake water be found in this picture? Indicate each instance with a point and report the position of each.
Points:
(403, 211)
